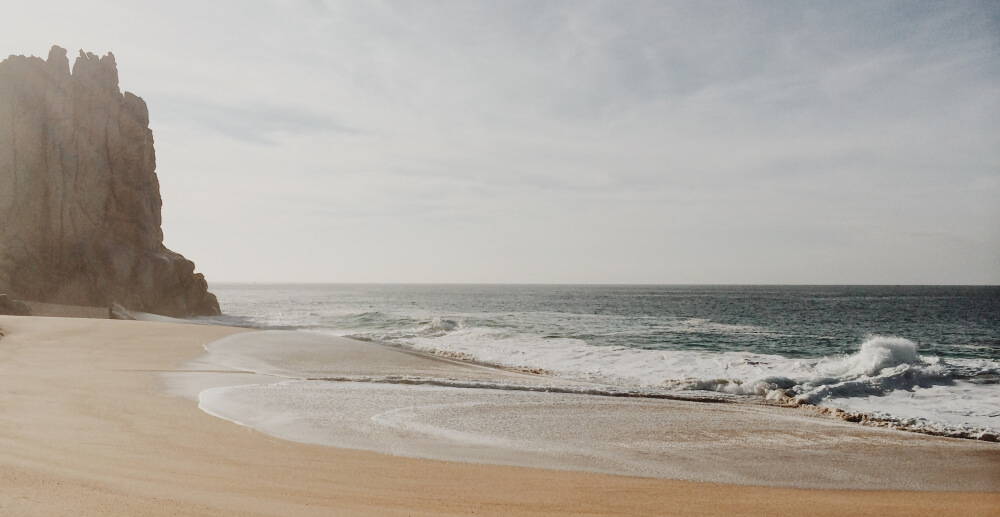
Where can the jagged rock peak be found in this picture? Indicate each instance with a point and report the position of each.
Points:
(103, 71)
(79, 196)
(57, 61)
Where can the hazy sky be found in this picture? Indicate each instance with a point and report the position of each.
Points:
(552, 142)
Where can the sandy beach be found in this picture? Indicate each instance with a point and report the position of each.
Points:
(88, 428)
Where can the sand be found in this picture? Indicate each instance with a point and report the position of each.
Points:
(86, 428)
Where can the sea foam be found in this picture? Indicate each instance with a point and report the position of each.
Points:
(882, 365)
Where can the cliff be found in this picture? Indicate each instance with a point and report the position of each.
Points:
(79, 197)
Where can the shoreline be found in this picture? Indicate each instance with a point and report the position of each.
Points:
(88, 430)
(860, 418)
(340, 392)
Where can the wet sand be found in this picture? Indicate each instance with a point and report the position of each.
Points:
(87, 428)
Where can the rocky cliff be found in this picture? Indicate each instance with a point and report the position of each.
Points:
(79, 197)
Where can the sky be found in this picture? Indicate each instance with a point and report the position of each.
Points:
(561, 141)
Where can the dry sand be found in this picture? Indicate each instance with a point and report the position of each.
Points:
(85, 429)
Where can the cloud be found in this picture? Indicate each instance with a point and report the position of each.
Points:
(251, 123)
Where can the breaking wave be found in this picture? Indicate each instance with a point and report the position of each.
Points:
(887, 369)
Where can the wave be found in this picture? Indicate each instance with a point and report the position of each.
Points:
(886, 369)
(882, 364)
(886, 377)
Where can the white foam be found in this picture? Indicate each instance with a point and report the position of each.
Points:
(882, 365)
(938, 408)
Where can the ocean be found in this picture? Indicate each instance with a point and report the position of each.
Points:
(919, 358)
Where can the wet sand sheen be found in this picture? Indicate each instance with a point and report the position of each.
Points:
(87, 430)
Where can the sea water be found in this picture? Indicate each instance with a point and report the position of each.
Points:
(915, 358)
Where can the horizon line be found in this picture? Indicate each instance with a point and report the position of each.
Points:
(692, 284)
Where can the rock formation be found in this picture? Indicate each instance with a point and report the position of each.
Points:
(79, 197)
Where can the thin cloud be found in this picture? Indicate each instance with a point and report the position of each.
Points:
(255, 124)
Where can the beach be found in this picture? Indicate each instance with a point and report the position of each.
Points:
(88, 427)
(499, 258)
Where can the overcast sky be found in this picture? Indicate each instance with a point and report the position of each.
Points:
(562, 142)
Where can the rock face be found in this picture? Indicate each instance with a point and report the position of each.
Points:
(79, 197)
